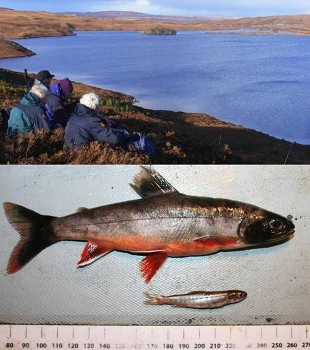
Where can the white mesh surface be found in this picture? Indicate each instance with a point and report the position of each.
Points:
(110, 291)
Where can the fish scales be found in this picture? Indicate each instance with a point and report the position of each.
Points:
(177, 217)
(164, 223)
(128, 216)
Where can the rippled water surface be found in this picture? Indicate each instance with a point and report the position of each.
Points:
(258, 81)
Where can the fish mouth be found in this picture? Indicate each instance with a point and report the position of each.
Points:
(281, 239)
(273, 241)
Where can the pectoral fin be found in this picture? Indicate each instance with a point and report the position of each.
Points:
(217, 241)
(150, 264)
(91, 252)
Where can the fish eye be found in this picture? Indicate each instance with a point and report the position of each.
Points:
(275, 224)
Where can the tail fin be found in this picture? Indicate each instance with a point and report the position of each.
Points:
(153, 299)
(35, 234)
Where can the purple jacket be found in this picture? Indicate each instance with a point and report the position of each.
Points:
(55, 109)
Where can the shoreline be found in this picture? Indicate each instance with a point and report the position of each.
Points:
(210, 121)
(26, 53)
(22, 51)
(33, 24)
(180, 137)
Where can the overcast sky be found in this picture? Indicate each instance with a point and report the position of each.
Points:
(240, 8)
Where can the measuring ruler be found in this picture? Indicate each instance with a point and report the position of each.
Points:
(154, 337)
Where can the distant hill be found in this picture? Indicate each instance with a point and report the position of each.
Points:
(143, 16)
(28, 24)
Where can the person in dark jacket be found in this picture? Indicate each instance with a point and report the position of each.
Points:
(56, 110)
(86, 125)
(29, 114)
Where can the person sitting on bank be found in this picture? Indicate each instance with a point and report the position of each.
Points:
(56, 110)
(29, 114)
(86, 125)
(44, 77)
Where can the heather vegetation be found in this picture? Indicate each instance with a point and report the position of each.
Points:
(47, 147)
(179, 138)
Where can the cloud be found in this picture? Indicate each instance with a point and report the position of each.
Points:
(125, 5)
(205, 7)
(169, 7)
(236, 7)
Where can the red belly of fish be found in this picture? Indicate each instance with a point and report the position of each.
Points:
(175, 249)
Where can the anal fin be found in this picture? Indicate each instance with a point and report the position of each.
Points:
(150, 264)
(91, 252)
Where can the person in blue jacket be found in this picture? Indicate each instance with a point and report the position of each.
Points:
(29, 114)
(86, 125)
(56, 110)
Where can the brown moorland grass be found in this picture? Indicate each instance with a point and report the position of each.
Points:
(179, 138)
(34, 23)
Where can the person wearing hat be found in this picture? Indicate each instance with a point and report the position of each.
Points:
(44, 77)
(55, 106)
(29, 114)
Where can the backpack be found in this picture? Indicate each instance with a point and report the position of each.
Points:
(142, 144)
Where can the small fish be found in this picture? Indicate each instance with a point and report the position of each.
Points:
(197, 300)
(164, 223)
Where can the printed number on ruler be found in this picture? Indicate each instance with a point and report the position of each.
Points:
(154, 337)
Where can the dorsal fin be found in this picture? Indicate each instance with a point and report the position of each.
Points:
(148, 183)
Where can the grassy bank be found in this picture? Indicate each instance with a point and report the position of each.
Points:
(179, 138)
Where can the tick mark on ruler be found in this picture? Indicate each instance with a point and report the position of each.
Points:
(291, 332)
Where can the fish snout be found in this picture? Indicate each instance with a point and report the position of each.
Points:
(265, 229)
(236, 295)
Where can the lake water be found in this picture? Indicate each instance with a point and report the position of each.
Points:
(258, 81)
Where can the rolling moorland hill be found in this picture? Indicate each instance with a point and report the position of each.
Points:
(32, 23)
(142, 16)
(27, 24)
